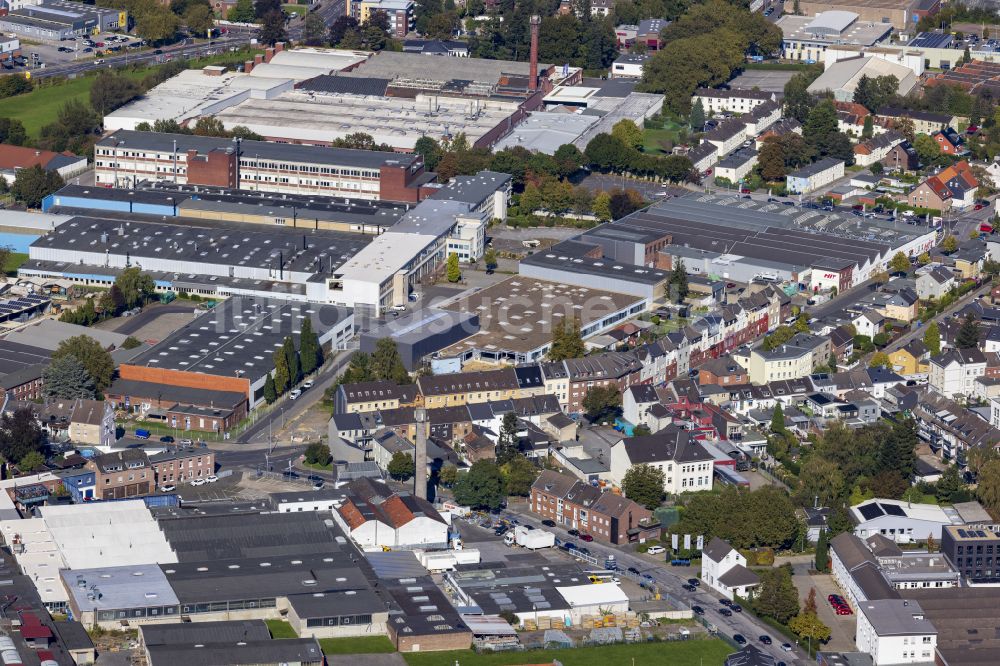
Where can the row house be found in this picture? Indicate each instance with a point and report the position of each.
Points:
(469, 387)
(607, 516)
(954, 372)
(133, 473)
(371, 396)
(951, 430)
(620, 369)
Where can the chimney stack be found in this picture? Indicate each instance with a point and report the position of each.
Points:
(258, 59)
(279, 47)
(536, 21)
(268, 54)
(248, 66)
(420, 454)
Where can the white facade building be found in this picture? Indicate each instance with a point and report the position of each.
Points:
(724, 569)
(686, 465)
(955, 372)
(895, 631)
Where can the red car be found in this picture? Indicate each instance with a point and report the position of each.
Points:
(745, 190)
(979, 206)
(586, 537)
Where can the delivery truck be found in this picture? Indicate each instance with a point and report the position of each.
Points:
(529, 538)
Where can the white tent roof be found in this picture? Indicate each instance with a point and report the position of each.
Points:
(603, 594)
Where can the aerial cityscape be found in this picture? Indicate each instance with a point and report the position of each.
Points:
(499, 332)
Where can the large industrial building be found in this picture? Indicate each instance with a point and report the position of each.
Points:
(230, 348)
(894, 14)
(125, 158)
(806, 37)
(732, 238)
(53, 20)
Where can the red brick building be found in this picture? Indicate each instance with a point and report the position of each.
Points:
(607, 516)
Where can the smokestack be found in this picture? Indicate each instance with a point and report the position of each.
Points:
(420, 454)
(536, 21)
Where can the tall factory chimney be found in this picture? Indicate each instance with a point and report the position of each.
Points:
(536, 22)
(420, 454)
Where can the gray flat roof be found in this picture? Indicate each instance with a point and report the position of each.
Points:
(285, 152)
(246, 245)
(896, 617)
(473, 189)
(416, 326)
(133, 586)
(205, 632)
(238, 337)
(248, 653)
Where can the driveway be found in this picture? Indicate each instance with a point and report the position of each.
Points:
(842, 627)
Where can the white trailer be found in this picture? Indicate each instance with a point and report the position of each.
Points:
(533, 539)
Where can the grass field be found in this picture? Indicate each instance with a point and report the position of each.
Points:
(651, 138)
(14, 261)
(679, 653)
(41, 106)
(280, 629)
(357, 645)
(294, 9)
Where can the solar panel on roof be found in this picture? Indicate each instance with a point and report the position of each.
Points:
(962, 533)
(893, 509)
(871, 511)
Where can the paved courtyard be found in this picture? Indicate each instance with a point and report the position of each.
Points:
(842, 627)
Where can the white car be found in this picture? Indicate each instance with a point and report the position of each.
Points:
(198, 482)
(295, 393)
(656, 550)
(307, 384)
(211, 478)
(185, 442)
(168, 488)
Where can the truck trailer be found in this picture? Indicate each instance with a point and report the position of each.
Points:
(529, 538)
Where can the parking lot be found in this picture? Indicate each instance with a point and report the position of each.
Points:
(55, 53)
(842, 627)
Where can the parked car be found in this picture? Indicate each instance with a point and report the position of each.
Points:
(549, 523)
(726, 602)
(765, 639)
(168, 439)
(586, 537)
(185, 442)
(739, 639)
(307, 384)
(294, 393)
(737, 608)
(694, 581)
(574, 533)
(787, 647)
(197, 482)
(725, 612)
(656, 550)
(689, 588)
(142, 433)
(211, 478)
(633, 571)
(168, 488)
(697, 610)
(680, 562)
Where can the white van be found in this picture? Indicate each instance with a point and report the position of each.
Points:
(656, 550)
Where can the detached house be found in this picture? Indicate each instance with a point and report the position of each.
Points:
(935, 282)
(92, 422)
(955, 186)
(910, 359)
(725, 570)
(686, 465)
(877, 148)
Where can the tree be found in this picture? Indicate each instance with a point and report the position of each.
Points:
(823, 551)
(899, 263)
(200, 21)
(602, 206)
(519, 475)
(272, 28)
(490, 258)
(292, 361)
(507, 441)
(949, 485)
(67, 378)
(340, 29)
(949, 244)
(820, 125)
(644, 484)
(210, 126)
(880, 360)
(602, 402)
(448, 475)
(697, 118)
(820, 481)
(641, 430)
(314, 30)
(270, 391)
(131, 342)
(771, 160)
(310, 351)
(111, 90)
(318, 453)
(11, 129)
(628, 133)
(677, 283)
(242, 12)
(135, 286)
(927, 149)
(32, 184)
(91, 355)
(567, 341)
(932, 338)
(264, 7)
(988, 488)
(15, 85)
(778, 419)
(401, 467)
(282, 379)
(20, 434)
(374, 31)
(426, 146)
(968, 335)
(387, 364)
(776, 596)
(482, 487)
(867, 131)
(807, 626)
(452, 270)
(30, 462)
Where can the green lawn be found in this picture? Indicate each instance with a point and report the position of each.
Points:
(295, 9)
(651, 138)
(711, 652)
(40, 107)
(14, 261)
(280, 629)
(357, 645)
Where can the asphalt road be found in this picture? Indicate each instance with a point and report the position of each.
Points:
(286, 410)
(668, 581)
